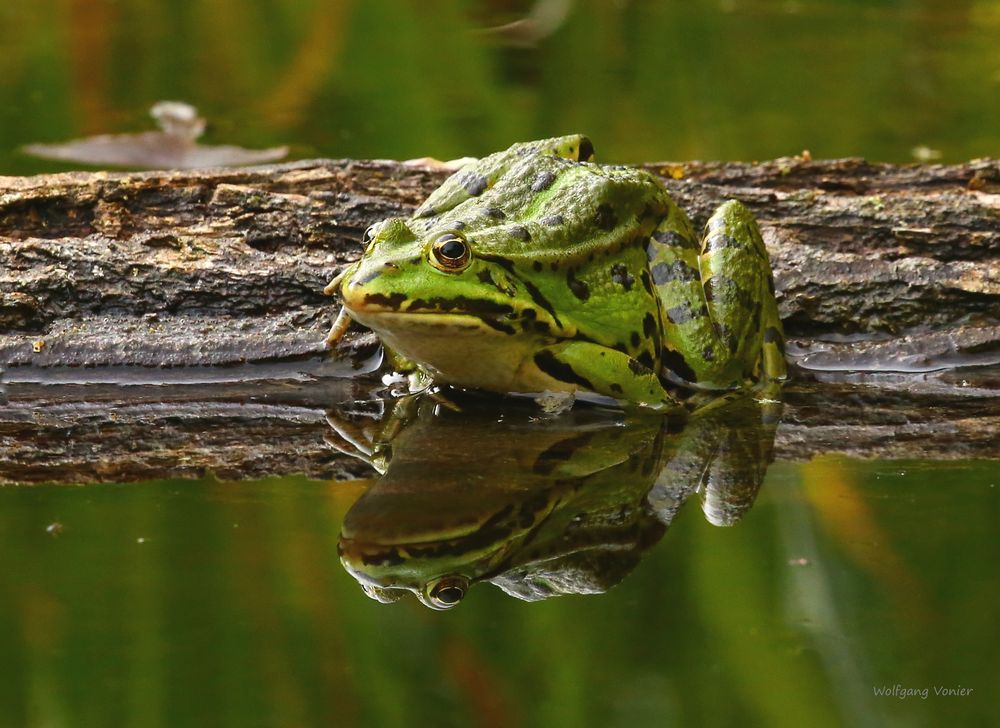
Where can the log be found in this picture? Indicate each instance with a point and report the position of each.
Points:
(881, 271)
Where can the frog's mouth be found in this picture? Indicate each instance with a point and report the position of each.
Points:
(459, 318)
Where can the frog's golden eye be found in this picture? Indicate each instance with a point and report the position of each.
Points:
(446, 592)
(450, 251)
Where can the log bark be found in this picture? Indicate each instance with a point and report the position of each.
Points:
(127, 277)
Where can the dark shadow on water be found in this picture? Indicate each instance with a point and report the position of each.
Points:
(538, 505)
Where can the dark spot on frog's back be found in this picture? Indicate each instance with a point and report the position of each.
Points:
(579, 288)
(429, 212)
(668, 237)
(586, 150)
(647, 284)
(553, 220)
(543, 180)
(604, 217)
(676, 271)
(683, 313)
(519, 232)
(495, 212)
(475, 184)
(621, 276)
(648, 324)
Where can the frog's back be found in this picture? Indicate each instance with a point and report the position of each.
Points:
(555, 210)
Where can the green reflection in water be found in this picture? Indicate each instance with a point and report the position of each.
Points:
(235, 610)
(653, 80)
(538, 505)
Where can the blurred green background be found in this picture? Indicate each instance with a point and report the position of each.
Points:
(680, 79)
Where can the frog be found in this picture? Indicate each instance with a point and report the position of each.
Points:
(538, 270)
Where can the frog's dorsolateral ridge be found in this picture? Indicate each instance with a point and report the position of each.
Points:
(535, 269)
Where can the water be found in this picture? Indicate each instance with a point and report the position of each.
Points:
(217, 602)
(221, 603)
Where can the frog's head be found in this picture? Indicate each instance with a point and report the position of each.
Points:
(413, 542)
(441, 296)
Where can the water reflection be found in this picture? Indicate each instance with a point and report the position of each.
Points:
(539, 506)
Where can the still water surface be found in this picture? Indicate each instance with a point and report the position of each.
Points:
(231, 603)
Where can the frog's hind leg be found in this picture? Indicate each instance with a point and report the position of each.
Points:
(739, 290)
(599, 369)
(720, 317)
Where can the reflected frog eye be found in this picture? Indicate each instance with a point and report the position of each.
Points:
(446, 592)
(450, 251)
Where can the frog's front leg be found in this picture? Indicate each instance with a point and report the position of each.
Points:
(718, 299)
(604, 371)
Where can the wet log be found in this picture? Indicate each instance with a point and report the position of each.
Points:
(218, 274)
(225, 266)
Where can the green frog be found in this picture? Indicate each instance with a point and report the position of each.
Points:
(537, 270)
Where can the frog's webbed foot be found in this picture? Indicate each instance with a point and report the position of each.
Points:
(555, 403)
(356, 439)
(365, 429)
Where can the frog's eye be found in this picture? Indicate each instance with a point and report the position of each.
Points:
(450, 251)
(368, 238)
(446, 592)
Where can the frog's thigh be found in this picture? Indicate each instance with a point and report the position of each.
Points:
(739, 292)
(604, 371)
(693, 349)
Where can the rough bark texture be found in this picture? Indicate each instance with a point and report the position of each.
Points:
(878, 268)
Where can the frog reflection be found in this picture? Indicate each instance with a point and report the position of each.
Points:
(538, 506)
